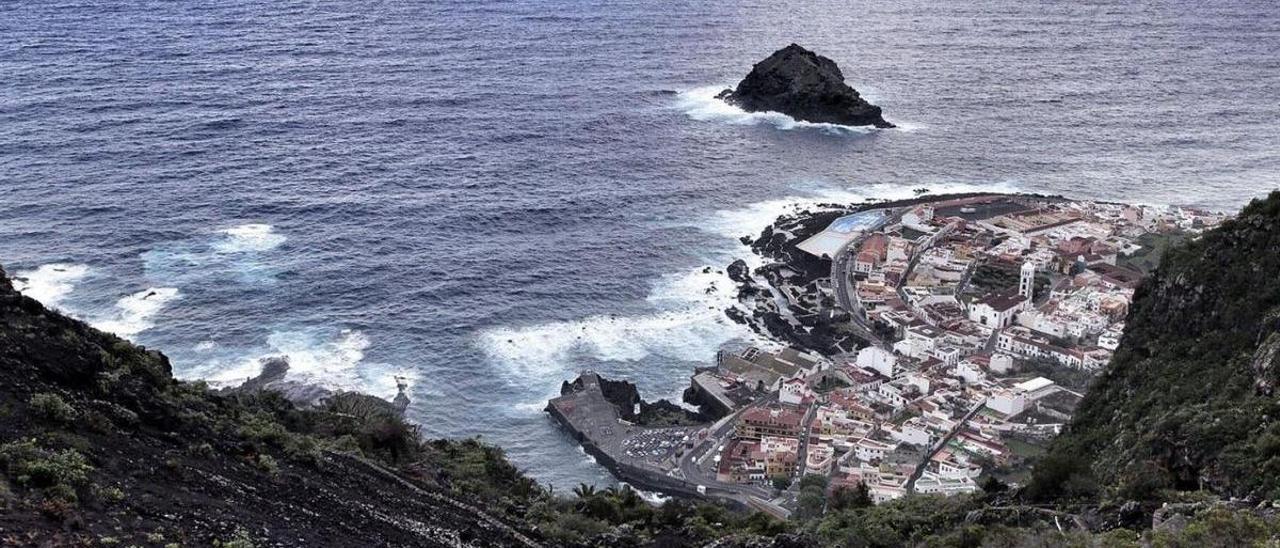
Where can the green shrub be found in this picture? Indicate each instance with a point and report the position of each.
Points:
(202, 449)
(108, 494)
(240, 539)
(262, 428)
(267, 464)
(52, 408)
(30, 465)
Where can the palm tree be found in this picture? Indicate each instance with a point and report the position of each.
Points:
(584, 491)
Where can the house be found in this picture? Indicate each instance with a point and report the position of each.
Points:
(913, 432)
(950, 464)
(997, 310)
(1007, 401)
(878, 360)
(969, 371)
(893, 394)
(1014, 400)
(780, 455)
(871, 253)
(830, 422)
(918, 341)
(1001, 363)
(818, 459)
(740, 463)
(869, 450)
(759, 422)
(1110, 339)
(1020, 341)
(795, 391)
(936, 484)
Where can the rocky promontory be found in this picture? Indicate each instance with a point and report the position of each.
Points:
(806, 86)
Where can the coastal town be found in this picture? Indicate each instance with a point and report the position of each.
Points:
(963, 332)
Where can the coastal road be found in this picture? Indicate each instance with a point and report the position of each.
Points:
(842, 275)
(692, 465)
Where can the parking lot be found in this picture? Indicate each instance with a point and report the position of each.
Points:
(654, 445)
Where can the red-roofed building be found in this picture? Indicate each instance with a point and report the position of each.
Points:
(761, 421)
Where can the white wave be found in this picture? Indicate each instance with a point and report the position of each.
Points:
(753, 218)
(654, 498)
(249, 238)
(335, 363)
(49, 283)
(701, 104)
(134, 313)
(689, 325)
(239, 252)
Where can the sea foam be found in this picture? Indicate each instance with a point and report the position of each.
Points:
(701, 104)
(135, 313)
(336, 362)
(249, 238)
(49, 283)
(688, 323)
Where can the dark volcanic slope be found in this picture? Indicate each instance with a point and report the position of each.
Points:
(806, 86)
(98, 444)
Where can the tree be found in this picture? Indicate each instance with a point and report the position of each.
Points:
(814, 480)
(584, 491)
(858, 496)
(781, 482)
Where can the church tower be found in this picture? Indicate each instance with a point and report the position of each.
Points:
(1027, 284)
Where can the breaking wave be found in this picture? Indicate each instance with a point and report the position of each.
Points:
(752, 219)
(689, 323)
(135, 313)
(335, 362)
(248, 238)
(701, 104)
(236, 252)
(49, 283)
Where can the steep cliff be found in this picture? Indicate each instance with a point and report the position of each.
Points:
(1189, 400)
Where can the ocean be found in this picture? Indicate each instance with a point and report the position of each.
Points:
(487, 197)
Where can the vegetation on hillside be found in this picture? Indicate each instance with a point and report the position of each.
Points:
(1187, 403)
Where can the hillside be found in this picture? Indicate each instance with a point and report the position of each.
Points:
(1189, 400)
(99, 445)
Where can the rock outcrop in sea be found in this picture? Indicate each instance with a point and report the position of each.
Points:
(806, 86)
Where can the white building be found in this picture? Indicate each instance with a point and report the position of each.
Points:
(869, 450)
(996, 311)
(1001, 363)
(795, 391)
(930, 483)
(1027, 281)
(1007, 401)
(913, 432)
(877, 359)
(969, 371)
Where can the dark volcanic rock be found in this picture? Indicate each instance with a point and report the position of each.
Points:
(806, 86)
(632, 408)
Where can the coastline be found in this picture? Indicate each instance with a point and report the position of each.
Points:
(796, 299)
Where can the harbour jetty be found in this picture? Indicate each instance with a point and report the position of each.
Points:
(642, 456)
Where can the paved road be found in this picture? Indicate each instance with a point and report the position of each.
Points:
(911, 482)
(692, 465)
(842, 274)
